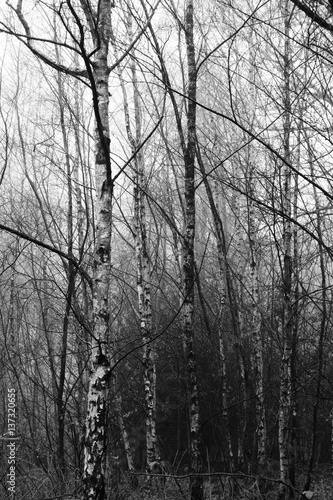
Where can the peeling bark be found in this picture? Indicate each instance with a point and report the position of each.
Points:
(94, 476)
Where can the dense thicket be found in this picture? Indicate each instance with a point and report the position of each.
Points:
(166, 250)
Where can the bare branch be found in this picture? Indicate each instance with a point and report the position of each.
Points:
(129, 49)
(28, 40)
(313, 15)
(51, 248)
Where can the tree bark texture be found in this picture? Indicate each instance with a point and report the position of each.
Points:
(188, 258)
(258, 365)
(286, 404)
(95, 451)
(240, 335)
(144, 299)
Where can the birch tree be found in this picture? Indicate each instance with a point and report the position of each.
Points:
(263, 280)
(286, 408)
(188, 253)
(143, 268)
(94, 56)
(256, 320)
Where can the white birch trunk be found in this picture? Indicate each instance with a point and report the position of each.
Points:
(223, 374)
(124, 433)
(196, 485)
(286, 399)
(261, 431)
(95, 451)
(261, 434)
(143, 271)
(239, 331)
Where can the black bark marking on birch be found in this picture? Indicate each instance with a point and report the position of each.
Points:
(103, 254)
(101, 382)
(102, 360)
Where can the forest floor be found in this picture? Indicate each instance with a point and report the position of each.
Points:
(229, 488)
(322, 482)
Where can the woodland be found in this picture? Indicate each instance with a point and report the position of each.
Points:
(166, 174)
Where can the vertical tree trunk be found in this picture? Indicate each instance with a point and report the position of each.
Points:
(143, 270)
(258, 366)
(296, 295)
(261, 434)
(99, 22)
(286, 404)
(70, 271)
(144, 298)
(123, 431)
(223, 373)
(188, 256)
(95, 450)
(239, 332)
(10, 335)
(322, 325)
(225, 288)
(331, 422)
(83, 303)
